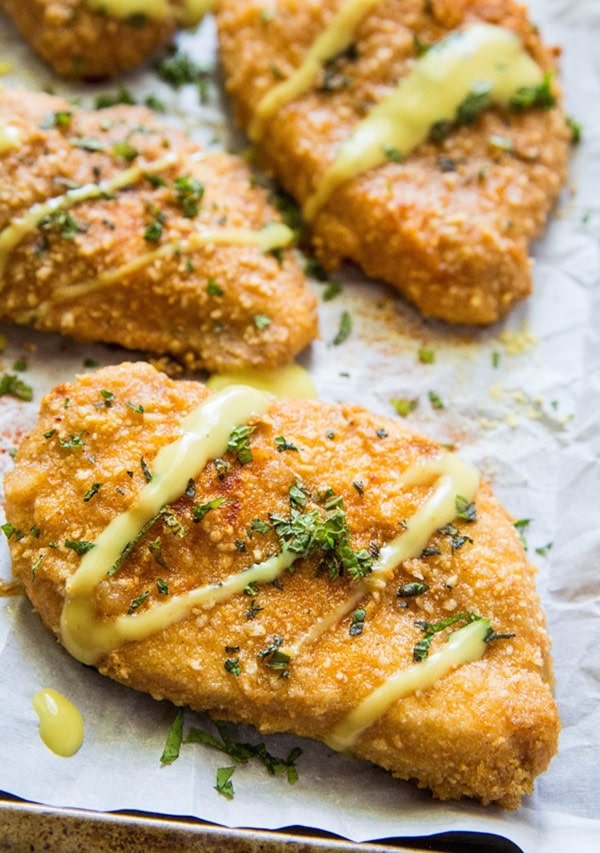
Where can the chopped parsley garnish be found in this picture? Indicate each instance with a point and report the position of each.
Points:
(178, 69)
(392, 154)
(476, 101)
(283, 444)
(435, 400)
(135, 407)
(465, 509)
(521, 526)
(92, 491)
(137, 602)
(12, 386)
(155, 548)
(162, 586)
(357, 622)
(535, 96)
(576, 130)
(125, 150)
(239, 443)
(261, 321)
(344, 330)
(430, 629)
(189, 194)
(542, 550)
(107, 99)
(145, 470)
(224, 784)
(232, 665)
(404, 406)
(108, 397)
(80, 546)
(412, 589)
(426, 355)
(214, 289)
(9, 531)
(359, 486)
(199, 512)
(60, 119)
(154, 229)
(333, 289)
(64, 223)
(72, 442)
(223, 467)
(174, 740)
(253, 611)
(274, 657)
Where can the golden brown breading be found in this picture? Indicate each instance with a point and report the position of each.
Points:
(484, 730)
(451, 225)
(80, 41)
(86, 270)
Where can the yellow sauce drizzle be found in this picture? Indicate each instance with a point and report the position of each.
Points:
(463, 646)
(274, 235)
(205, 433)
(334, 39)
(61, 725)
(10, 138)
(187, 12)
(432, 91)
(12, 235)
(292, 380)
(455, 477)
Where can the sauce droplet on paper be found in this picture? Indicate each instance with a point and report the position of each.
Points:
(61, 724)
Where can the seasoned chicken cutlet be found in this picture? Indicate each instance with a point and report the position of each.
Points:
(301, 566)
(117, 228)
(424, 139)
(91, 39)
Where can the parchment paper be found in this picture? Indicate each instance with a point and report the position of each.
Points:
(521, 400)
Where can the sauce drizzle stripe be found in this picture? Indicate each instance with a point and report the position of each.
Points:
(205, 434)
(463, 646)
(335, 38)
(12, 235)
(432, 91)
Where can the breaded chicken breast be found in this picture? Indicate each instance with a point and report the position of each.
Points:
(91, 39)
(301, 566)
(117, 228)
(424, 138)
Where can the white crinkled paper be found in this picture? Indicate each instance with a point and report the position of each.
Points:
(532, 425)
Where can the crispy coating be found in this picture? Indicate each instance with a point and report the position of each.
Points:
(213, 306)
(451, 225)
(484, 731)
(78, 41)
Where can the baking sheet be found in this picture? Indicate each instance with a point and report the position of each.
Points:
(521, 400)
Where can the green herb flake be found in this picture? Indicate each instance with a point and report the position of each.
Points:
(224, 784)
(125, 150)
(430, 629)
(161, 585)
(174, 740)
(543, 550)
(80, 546)
(478, 99)
(412, 589)
(435, 400)
(521, 526)
(64, 223)
(357, 622)
(201, 511)
(20, 365)
(137, 602)
(394, 155)
(60, 119)
(575, 129)
(465, 509)
(261, 321)
(135, 407)
(333, 289)
(108, 397)
(9, 531)
(178, 69)
(73, 442)
(283, 444)
(344, 329)
(154, 229)
(145, 469)
(91, 492)
(111, 99)
(232, 665)
(189, 193)
(214, 289)
(535, 96)
(239, 443)
(12, 386)
(426, 355)
(404, 406)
